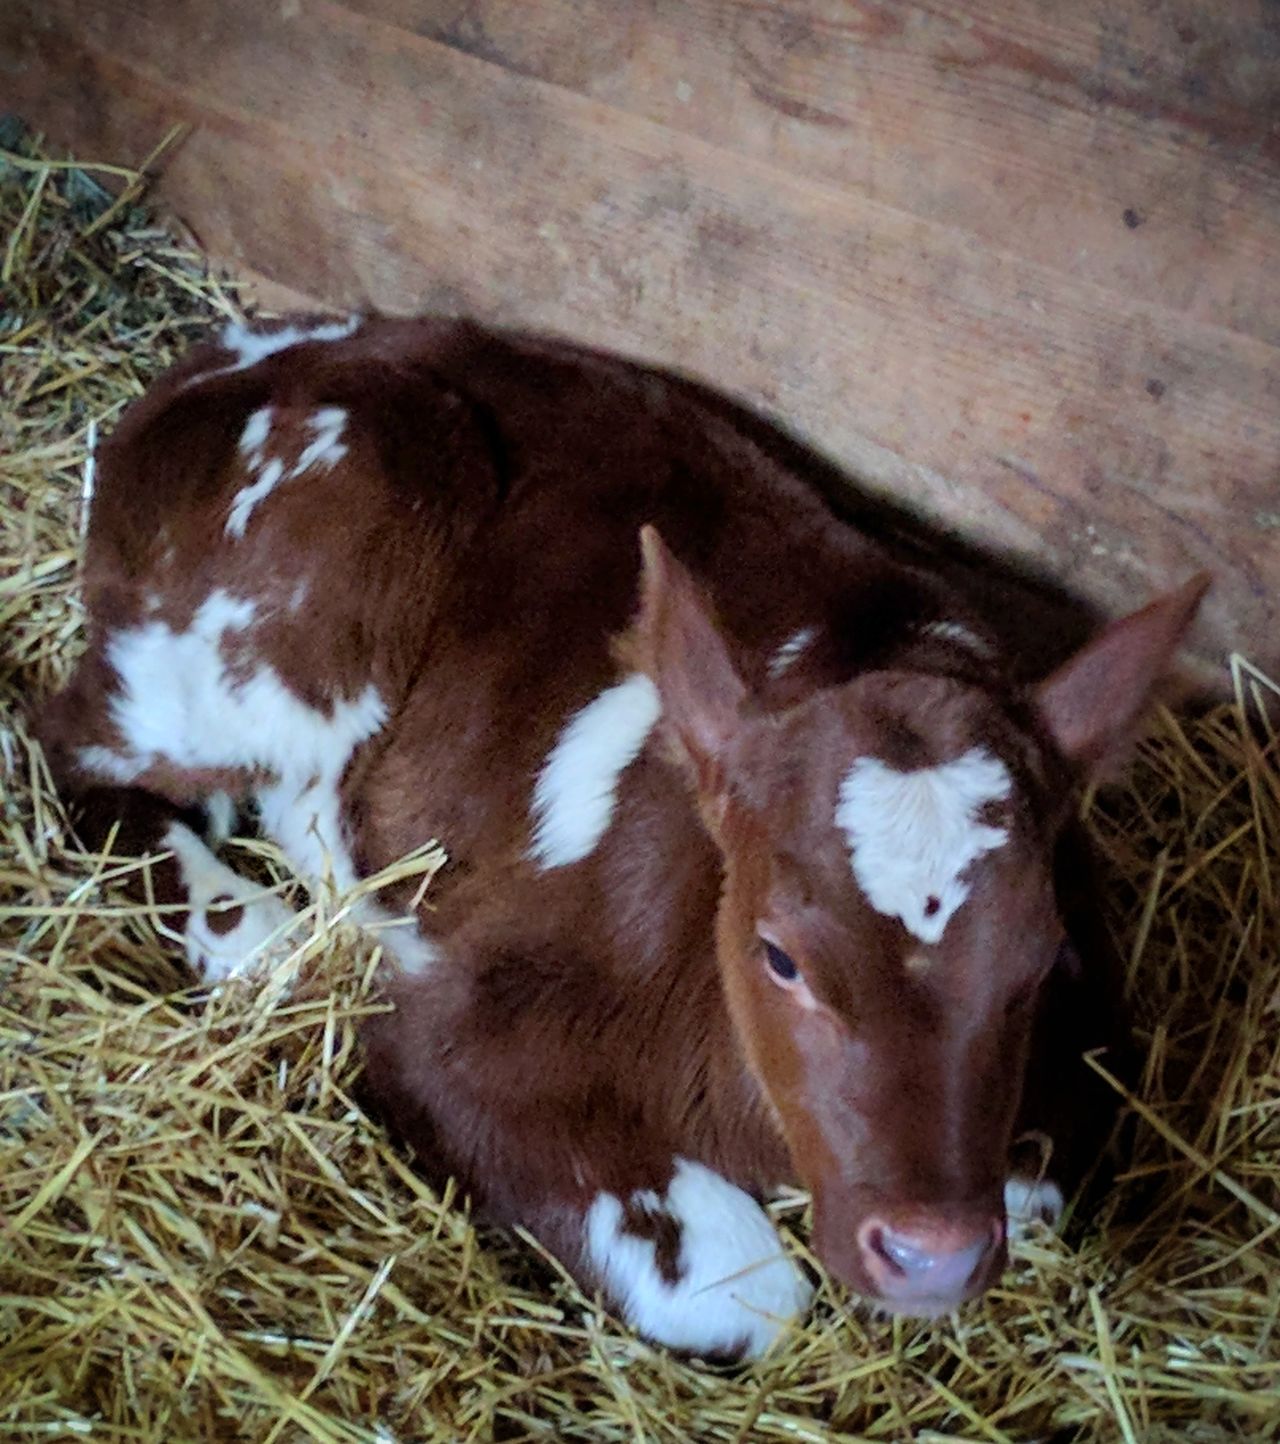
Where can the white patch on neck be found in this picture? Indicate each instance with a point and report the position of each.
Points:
(737, 1289)
(912, 835)
(790, 650)
(574, 797)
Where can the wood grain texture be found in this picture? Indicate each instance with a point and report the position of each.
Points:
(1013, 264)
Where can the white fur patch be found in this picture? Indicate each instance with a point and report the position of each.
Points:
(961, 636)
(574, 797)
(251, 347)
(221, 814)
(912, 835)
(264, 922)
(325, 449)
(303, 816)
(253, 439)
(1029, 1202)
(178, 703)
(248, 497)
(737, 1286)
(790, 650)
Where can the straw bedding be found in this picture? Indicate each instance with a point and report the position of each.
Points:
(203, 1238)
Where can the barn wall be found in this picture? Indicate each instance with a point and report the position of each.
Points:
(1010, 261)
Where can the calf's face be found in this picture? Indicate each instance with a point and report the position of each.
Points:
(888, 917)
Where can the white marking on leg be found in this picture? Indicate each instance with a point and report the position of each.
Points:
(231, 925)
(304, 817)
(220, 816)
(737, 1289)
(913, 834)
(574, 797)
(325, 449)
(790, 651)
(1029, 1202)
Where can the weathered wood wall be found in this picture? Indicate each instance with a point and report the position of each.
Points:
(1015, 262)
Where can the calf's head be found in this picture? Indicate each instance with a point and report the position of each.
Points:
(889, 915)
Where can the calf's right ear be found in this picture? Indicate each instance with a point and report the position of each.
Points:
(1093, 704)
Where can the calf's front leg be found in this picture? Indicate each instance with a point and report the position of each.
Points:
(695, 1264)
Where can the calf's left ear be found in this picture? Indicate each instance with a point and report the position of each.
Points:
(1092, 705)
(677, 643)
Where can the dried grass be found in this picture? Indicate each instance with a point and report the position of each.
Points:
(205, 1239)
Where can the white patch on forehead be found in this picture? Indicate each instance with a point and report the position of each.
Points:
(790, 650)
(912, 835)
(736, 1287)
(325, 449)
(574, 797)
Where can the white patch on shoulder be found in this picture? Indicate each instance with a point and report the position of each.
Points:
(790, 650)
(325, 449)
(574, 797)
(737, 1289)
(1030, 1202)
(231, 924)
(912, 835)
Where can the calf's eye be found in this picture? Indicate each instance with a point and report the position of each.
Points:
(781, 965)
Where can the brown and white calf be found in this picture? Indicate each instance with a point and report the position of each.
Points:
(756, 854)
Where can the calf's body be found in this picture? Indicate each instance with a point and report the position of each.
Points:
(756, 853)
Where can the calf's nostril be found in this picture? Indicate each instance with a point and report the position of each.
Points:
(938, 1262)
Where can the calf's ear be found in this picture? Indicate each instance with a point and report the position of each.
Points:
(1093, 704)
(678, 644)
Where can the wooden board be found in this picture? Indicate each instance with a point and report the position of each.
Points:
(1012, 264)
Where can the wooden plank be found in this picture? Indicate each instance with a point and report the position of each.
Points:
(1141, 152)
(1118, 440)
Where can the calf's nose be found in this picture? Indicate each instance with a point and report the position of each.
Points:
(933, 1264)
